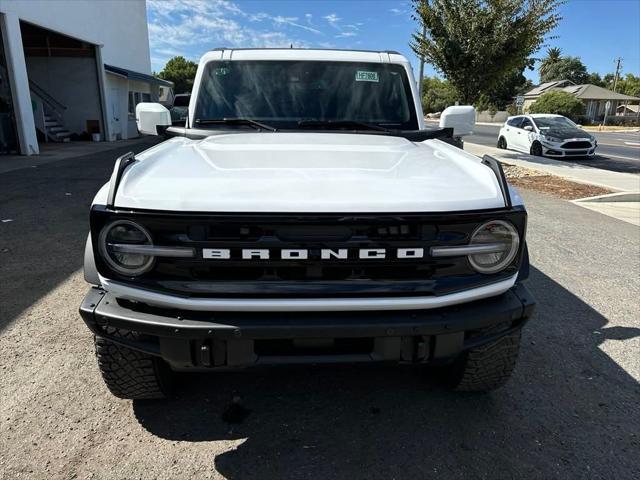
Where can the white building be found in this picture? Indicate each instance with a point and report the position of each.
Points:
(71, 68)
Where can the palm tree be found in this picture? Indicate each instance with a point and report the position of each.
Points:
(553, 56)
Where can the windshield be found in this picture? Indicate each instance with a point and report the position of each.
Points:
(545, 123)
(284, 93)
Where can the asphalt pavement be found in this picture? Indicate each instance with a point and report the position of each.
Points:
(572, 409)
(618, 152)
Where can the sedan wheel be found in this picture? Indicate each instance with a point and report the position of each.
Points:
(502, 143)
(536, 149)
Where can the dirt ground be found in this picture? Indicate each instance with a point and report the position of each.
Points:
(550, 184)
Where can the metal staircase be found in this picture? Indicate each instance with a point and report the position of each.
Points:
(54, 130)
(48, 115)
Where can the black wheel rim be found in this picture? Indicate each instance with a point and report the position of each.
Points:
(537, 150)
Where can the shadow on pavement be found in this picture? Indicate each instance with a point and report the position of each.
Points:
(612, 164)
(48, 206)
(569, 411)
(597, 161)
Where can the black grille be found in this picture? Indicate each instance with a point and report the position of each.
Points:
(311, 277)
(576, 145)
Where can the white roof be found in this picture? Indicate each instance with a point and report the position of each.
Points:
(304, 54)
(633, 108)
(535, 115)
(540, 115)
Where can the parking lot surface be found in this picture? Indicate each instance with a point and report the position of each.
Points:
(572, 409)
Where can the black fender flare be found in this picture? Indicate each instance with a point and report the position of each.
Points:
(523, 273)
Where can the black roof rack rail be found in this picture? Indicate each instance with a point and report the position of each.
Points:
(496, 167)
(118, 170)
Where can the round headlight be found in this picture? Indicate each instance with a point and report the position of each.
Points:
(503, 237)
(124, 232)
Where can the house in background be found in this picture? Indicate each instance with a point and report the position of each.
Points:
(628, 110)
(595, 98)
(69, 69)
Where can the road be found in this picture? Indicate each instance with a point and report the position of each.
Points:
(618, 152)
(570, 411)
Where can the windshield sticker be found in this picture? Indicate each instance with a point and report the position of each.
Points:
(362, 76)
(221, 71)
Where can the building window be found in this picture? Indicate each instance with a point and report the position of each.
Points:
(134, 99)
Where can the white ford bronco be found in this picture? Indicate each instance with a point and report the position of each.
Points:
(305, 214)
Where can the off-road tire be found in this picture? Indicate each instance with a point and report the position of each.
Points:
(502, 143)
(486, 367)
(536, 149)
(131, 374)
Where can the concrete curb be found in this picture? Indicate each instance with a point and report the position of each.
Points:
(615, 181)
(612, 198)
(595, 129)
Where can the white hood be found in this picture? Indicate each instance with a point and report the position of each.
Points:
(307, 172)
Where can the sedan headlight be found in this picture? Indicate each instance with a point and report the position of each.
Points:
(502, 242)
(125, 261)
(551, 139)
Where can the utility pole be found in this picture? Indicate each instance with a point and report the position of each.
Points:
(615, 84)
(617, 75)
(421, 69)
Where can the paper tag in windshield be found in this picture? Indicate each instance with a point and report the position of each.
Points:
(362, 76)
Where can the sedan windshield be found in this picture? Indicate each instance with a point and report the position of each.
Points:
(546, 123)
(306, 94)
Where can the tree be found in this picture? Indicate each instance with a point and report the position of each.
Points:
(437, 94)
(567, 68)
(629, 85)
(503, 92)
(475, 43)
(595, 79)
(181, 72)
(561, 103)
(553, 56)
(608, 80)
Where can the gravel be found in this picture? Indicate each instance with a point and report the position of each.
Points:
(535, 180)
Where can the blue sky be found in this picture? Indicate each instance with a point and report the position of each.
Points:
(598, 31)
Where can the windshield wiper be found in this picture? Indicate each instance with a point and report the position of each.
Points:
(235, 121)
(342, 124)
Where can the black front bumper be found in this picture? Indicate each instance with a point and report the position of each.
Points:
(189, 340)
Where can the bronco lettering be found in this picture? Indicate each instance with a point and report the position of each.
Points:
(315, 254)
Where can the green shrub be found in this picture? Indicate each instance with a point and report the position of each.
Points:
(437, 95)
(512, 110)
(584, 120)
(561, 103)
(630, 121)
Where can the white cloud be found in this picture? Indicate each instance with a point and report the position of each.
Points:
(345, 30)
(332, 18)
(258, 17)
(193, 27)
(279, 20)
